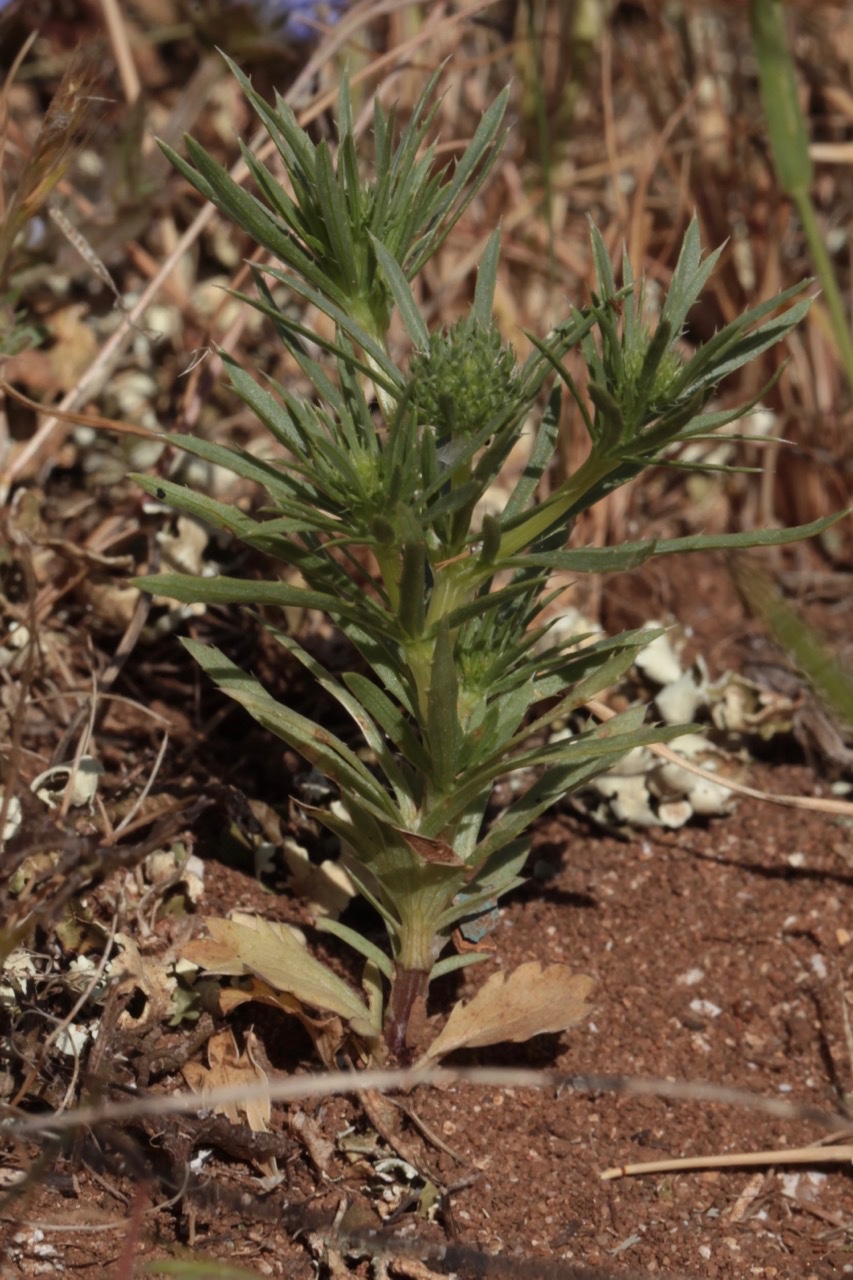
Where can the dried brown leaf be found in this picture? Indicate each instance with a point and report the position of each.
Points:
(528, 1002)
(431, 850)
(228, 1067)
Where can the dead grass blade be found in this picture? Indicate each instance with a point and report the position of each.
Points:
(337, 1083)
(58, 414)
(814, 1154)
(68, 122)
(120, 42)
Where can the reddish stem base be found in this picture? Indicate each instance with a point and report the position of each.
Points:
(404, 1021)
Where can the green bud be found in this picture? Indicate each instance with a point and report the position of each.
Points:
(383, 530)
(664, 368)
(491, 539)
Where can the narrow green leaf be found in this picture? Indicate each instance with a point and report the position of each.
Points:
(755, 343)
(599, 674)
(552, 786)
(255, 217)
(487, 275)
(294, 144)
(452, 963)
(398, 284)
(604, 281)
(750, 538)
(358, 942)
(471, 172)
(391, 719)
(383, 655)
(703, 368)
(219, 515)
(590, 559)
(335, 222)
(497, 875)
(345, 120)
(264, 405)
(319, 746)
(580, 762)
(386, 371)
(363, 836)
(655, 352)
(269, 475)
(360, 715)
(279, 202)
(487, 602)
(223, 590)
(689, 277)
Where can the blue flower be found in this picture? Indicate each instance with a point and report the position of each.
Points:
(297, 19)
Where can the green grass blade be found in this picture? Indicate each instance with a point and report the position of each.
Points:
(789, 144)
(793, 634)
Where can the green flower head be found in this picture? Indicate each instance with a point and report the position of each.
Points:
(464, 380)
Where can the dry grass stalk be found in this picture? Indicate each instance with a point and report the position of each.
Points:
(338, 1083)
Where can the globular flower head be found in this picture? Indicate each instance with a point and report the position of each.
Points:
(465, 378)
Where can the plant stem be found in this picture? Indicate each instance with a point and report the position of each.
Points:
(388, 559)
(406, 1012)
(419, 945)
(542, 518)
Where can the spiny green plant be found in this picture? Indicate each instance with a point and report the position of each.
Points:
(378, 502)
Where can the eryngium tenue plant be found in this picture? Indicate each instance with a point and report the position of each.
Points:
(378, 503)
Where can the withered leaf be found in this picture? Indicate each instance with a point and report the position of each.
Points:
(273, 952)
(431, 850)
(227, 1067)
(528, 1002)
